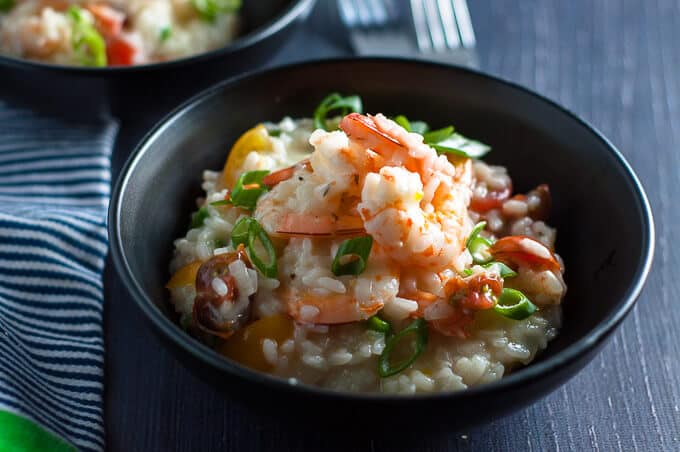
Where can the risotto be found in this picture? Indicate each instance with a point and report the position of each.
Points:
(114, 32)
(361, 253)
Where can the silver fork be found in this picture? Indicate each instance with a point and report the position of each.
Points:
(443, 29)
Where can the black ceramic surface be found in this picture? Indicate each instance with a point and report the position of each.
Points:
(131, 92)
(605, 230)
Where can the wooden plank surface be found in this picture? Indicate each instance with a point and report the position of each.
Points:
(614, 62)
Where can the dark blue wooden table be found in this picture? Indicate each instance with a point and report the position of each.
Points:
(614, 62)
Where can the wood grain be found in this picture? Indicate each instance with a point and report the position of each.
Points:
(614, 62)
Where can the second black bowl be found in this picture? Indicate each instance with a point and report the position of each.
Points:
(133, 91)
(604, 223)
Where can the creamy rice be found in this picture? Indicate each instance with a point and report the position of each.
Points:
(133, 31)
(345, 356)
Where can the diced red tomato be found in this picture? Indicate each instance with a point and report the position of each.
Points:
(120, 52)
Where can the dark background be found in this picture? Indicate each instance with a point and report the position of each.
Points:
(616, 63)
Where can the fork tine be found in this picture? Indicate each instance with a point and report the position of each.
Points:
(365, 16)
(379, 11)
(450, 25)
(347, 12)
(434, 25)
(419, 21)
(467, 33)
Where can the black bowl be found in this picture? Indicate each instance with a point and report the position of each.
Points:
(605, 225)
(130, 92)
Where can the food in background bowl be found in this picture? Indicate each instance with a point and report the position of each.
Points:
(115, 32)
(366, 254)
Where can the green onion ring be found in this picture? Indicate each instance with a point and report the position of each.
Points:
(417, 327)
(255, 232)
(375, 323)
(247, 197)
(513, 304)
(358, 250)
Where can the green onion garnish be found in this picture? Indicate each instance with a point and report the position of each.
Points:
(198, 217)
(256, 232)
(239, 234)
(274, 132)
(247, 231)
(503, 270)
(478, 245)
(165, 33)
(209, 9)
(219, 243)
(6, 5)
(445, 140)
(439, 135)
(340, 106)
(417, 327)
(352, 256)
(513, 304)
(222, 202)
(419, 127)
(375, 323)
(248, 189)
(87, 43)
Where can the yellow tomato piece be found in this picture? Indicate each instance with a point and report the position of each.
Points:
(256, 139)
(245, 346)
(185, 276)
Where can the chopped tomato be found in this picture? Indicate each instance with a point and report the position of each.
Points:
(120, 52)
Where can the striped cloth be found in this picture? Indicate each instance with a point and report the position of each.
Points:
(54, 190)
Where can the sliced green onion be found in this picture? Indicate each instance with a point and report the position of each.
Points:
(417, 327)
(210, 9)
(223, 202)
(457, 144)
(245, 196)
(479, 227)
(274, 132)
(165, 33)
(438, 135)
(338, 105)
(513, 304)
(479, 249)
(198, 217)
(420, 127)
(403, 121)
(256, 232)
(503, 270)
(239, 234)
(352, 256)
(478, 245)
(6, 5)
(88, 44)
(375, 323)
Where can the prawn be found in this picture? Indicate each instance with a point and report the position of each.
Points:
(415, 204)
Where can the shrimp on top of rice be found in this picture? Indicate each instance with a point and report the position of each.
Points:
(362, 253)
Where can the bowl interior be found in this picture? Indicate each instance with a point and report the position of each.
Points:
(604, 231)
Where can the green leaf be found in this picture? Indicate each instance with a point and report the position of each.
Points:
(338, 106)
(87, 43)
(198, 218)
(6, 5)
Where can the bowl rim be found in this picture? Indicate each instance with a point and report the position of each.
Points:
(290, 13)
(550, 365)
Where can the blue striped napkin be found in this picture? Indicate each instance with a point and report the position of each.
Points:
(54, 189)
